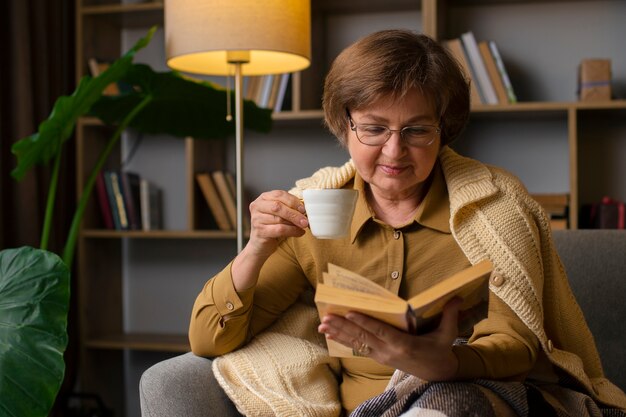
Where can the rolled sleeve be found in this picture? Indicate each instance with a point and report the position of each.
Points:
(219, 319)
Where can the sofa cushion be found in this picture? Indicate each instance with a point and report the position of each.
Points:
(595, 262)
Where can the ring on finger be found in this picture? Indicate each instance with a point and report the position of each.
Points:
(362, 350)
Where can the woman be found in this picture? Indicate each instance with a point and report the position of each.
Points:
(395, 100)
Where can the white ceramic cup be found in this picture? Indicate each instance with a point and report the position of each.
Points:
(330, 211)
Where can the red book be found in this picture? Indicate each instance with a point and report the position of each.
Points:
(103, 202)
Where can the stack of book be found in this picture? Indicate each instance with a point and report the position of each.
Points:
(128, 202)
(483, 65)
(557, 208)
(218, 189)
(268, 91)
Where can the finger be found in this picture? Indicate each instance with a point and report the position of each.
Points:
(343, 331)
(449, 325)
(281, 207)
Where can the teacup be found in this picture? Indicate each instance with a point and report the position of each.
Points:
(330, 211)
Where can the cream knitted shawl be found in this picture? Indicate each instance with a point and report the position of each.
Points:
(492, 216)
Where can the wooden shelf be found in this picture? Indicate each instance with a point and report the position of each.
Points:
(140, 341)
(521, 107)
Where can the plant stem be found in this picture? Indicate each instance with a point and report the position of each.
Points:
(52, 191)
(70, 245)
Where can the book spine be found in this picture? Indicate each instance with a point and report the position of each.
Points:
(112, 203)
(282, 89)
(155, 203)
(266, 89)
(456, 48)
(103, 201)
(503, 72)
(130, 190)
(209, 191)
(478, 68)
(232, 186)
(494, 74)
(116, 186)
(228, 199)
(144, 197)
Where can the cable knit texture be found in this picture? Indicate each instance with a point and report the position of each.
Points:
(492, 217)
(284, 371)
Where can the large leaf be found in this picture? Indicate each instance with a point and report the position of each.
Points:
(42, 146)
(34, 301)
(179, 106)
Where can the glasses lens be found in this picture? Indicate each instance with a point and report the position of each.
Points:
(372, 134)
(419, 135)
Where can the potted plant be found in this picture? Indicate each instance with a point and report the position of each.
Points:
(35, 283)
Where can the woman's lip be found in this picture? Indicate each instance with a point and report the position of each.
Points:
(391, 170)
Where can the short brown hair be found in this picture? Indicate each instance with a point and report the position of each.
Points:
(393, 62)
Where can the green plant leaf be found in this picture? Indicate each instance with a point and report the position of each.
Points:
(179, 106)
(34, 302)
(42, 146)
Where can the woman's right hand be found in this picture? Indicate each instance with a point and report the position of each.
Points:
(274, 216)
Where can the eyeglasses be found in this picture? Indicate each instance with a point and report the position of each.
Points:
(377, 135)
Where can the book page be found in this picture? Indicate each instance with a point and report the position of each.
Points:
(339, 277)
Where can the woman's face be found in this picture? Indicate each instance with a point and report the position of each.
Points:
(395, 170)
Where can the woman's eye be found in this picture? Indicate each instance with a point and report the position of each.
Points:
(417, 131)
(374, 130)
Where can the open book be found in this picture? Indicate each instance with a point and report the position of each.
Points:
(343, 291)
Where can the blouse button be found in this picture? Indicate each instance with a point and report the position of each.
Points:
(396, 234)
(230, 305)
(395, 275)
(550, 346)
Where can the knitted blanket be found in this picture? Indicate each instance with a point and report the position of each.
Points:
(409, 396)
(284, 371)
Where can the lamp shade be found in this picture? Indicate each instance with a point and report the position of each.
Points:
(270, 36)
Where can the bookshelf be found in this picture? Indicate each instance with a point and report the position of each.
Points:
(135, 288)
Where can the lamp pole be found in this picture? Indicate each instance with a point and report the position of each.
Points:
(238, 59)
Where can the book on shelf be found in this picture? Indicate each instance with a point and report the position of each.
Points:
(504, 75)
(151, 203)
(227, 197)
(104, 204)
(232, 187)
(132, 198)
(456, 48)
(479, 71)
(96, 68)
(116, 200)
(267, 91)
(252, 87)
(493, 72)
(343, 291)
(282, 91)
(212, 197)
(263, 98)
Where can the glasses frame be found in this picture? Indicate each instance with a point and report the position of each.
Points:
(354, 127)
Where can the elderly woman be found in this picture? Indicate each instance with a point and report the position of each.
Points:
(395, 100)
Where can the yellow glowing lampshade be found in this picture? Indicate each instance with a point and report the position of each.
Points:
(269, 36)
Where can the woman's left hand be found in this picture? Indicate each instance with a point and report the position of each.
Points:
(428, 356)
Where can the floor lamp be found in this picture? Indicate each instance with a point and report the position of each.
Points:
(238, 37)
